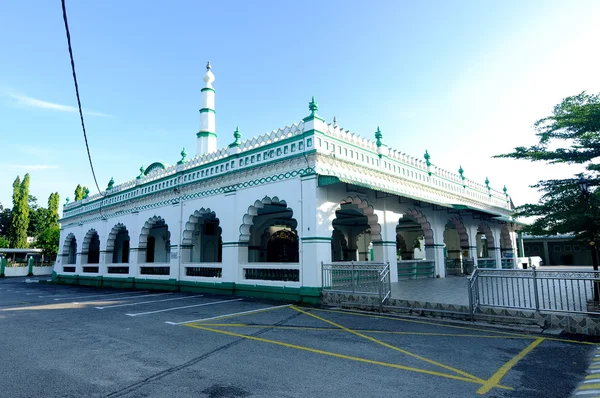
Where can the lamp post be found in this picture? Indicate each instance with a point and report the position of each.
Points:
(584, 186)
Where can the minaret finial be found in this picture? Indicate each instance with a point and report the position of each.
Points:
(208, 65)
(378, 136)
(334, 122)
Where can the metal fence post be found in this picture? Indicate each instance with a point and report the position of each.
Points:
(353, 276)
(535, 290)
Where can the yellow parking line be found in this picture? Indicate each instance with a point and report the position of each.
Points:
(323, 329)
(460, 372)
(333, 354)
(496, 377)
(252, 312)
(594, 386)
(525, 336)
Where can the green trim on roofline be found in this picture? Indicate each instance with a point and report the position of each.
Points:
(195, 195)
(207, 89)
(201, 134)
(208, 110)
(290, 140)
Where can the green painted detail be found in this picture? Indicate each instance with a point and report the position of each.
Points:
(155, 166)
(142, 171)
(30, 266)
(505, 190)
(323, 181)
(384, 242)
(216, 191)
(427, 156)
(316, 238)
(86, 193)
(110, 183)
(206, 134)
(487, 183)
(67, 202)
(207, 89)
(236, 135)
(183, 156)
(378, 137)
(313, 106)
(241, 244)
(2, 266)
(208, 110)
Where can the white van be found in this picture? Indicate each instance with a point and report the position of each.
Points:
(529, 262)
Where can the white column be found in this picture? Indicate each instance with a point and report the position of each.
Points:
(315, 237)
(388, 220)
(234, 251)
(472, 232)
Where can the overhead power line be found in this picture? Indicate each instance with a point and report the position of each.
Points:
(64, 10)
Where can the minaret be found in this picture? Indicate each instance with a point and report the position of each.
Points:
(207, 136)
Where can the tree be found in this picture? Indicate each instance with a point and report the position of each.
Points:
(53, 203)
(78, 193)
(5, 216)
(20, 213)
(561, 209)
(4, 242)
(47, 240)
(38, 217)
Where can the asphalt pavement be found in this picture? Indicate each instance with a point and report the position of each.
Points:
(71, 341)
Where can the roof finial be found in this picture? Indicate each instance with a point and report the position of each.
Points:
(334, 122)
(378, 137)
(208, 65)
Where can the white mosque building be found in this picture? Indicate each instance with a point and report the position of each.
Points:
(260, 216)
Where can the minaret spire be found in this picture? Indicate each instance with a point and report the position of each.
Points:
(207, 136)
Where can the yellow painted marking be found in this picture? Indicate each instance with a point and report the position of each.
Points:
(596, 376)
(333, 354)
(596, 360)
(496, 377)
(374, 340)
(592, 386)
(249, 313)
(525, 336)
(322, 329)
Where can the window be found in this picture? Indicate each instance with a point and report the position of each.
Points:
(567, 248)
(557, 249)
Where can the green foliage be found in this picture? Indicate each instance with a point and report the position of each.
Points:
(47, 240)
(4, 242)
(5, 217)
(78, 193)
(20, 213)
(53, 203)
(562, 208)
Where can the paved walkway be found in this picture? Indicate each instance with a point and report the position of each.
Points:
(449, 290)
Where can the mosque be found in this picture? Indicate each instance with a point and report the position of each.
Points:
(260, 216)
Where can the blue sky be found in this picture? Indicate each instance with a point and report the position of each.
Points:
(464, 80)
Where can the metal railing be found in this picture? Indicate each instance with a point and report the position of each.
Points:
(361, 277)
(415, 269)
(531, 289)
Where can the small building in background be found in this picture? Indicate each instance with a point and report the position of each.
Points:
(557, 249)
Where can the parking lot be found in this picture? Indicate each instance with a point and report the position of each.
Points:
(73, 341)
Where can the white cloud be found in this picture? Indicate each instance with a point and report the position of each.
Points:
(31, 166)
(30, 102)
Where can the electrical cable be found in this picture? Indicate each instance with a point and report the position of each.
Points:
(64, 12)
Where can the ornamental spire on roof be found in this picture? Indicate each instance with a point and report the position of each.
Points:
(207, 136)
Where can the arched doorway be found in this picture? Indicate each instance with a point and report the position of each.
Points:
(507, 250)
(282, 247)
(202, 241)
(485, 247)
(414, 246)
(270, 230)
(69, 253)
(118, 245)
(90, 250)
(355, 227)
(155, 242)
(456, 251)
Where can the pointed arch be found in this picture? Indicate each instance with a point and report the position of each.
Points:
(69, 251)
(368, 211)
(155, 241)
(118, 245)
(421, 219)
(462, 231)
(489, 235)
(90, 248)
(253, 210)
(201, 239)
